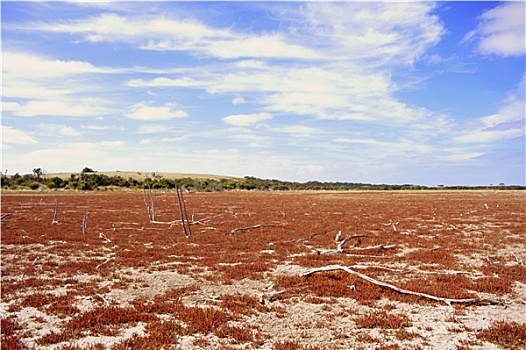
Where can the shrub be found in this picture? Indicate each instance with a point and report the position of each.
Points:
(33, 185)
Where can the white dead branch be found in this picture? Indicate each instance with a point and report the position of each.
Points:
(106, 302)
(393, 225)
(249, 228)
(338, 237)
(380, 246)
(149, 202)
(103, 236)
(55, 220)
(342, 243)
(400, 290)
(104, 262)
(84, 223)
(519, 260)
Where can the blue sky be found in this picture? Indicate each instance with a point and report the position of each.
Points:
(415, 92)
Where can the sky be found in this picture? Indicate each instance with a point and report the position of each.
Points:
(427, 93)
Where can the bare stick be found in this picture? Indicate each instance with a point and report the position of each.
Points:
(55, 221)
(5, 215)
(182, 211)
(380, 246)
(340, 245)
(84, 223)
(105, 262)
(393, 225)
(249, 228)
(400, 290)
(519, 260)
(103, 236)
(105, 300)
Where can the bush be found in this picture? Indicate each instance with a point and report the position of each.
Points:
(33, 185)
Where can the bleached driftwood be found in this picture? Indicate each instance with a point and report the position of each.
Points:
(249, 228)
(400, 290)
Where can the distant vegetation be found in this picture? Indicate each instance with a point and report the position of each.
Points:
(89, 180)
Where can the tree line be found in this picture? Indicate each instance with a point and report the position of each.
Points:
(89, 180)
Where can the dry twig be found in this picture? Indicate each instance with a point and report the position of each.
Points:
(249, 228)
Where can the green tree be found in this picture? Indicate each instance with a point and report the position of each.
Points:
(87, 170)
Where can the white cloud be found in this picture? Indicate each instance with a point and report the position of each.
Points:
(99, 127)
(150, 33)
(265, 46)
(55, 108)
(142, 111)
(18, 64)
(379, 33)
(164, 82)
(238, 100)
(152, 129)
(68, 131)
(502, 30)
(246, 119)
(485, 136)
(508, 122)
(53, 130)
(14, 136)
(297, 130)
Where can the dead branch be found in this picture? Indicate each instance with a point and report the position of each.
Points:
(84, 223)
(400, 290)
(5, 215)
(103, 236)
(106, 302)
(380, 246)
(55, 221)
(184, 215)
(297, 240)
(393, 224)
(341, 244)
(105, 262)
(519, 260)
(149, 202)
(249, 228)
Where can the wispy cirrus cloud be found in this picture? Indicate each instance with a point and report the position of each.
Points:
(508, 122)
(502, 30)
(11, 135)
(173, 34)
(144, 111)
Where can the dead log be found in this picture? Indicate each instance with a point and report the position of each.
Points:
(400, 290)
